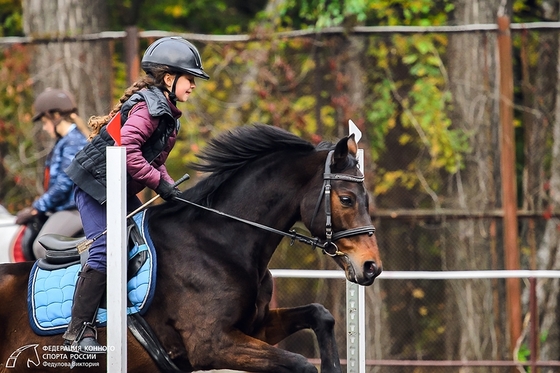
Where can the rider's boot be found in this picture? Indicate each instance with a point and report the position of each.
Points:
(89, 291)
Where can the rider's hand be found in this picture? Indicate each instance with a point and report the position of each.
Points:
(25, 215)
(167, 191)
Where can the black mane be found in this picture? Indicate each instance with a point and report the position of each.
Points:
(232, 150)
(235, 148)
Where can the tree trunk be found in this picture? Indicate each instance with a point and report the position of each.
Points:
(548, 253)
(83, 68)
(474, 82)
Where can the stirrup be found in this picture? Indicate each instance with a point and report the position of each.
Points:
(69, 346)
(88, 344)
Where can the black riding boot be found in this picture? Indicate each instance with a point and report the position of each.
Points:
(89, 291)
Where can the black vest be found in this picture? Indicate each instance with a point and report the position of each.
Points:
(88, 168)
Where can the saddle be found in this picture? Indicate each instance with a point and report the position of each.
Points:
(61, 250)
(52, 279)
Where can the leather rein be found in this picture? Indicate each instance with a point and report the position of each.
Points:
(329, 247)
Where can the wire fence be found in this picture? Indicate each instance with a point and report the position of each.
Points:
(357, 30)
(416, 305)
(376, 329)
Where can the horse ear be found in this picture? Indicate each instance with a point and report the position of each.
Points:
(352, 145)
(343, 147)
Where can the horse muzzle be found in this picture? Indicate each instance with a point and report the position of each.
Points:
(370, 271)
(361, 274)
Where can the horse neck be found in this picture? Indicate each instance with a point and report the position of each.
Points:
(270, 192)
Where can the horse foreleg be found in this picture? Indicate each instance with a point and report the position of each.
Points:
(282, 322)
(238, 351)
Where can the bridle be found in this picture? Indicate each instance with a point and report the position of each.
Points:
(329, 247)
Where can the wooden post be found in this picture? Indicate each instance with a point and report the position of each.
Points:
(131, 54)
(534, 329)
(131, 47)
(509, 189)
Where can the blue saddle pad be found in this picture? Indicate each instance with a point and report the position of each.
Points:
(50, 292)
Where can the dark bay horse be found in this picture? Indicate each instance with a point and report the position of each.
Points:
(211, 307)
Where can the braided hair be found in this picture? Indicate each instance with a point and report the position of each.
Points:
(153, 78)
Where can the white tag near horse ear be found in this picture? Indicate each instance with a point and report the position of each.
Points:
(353, 129)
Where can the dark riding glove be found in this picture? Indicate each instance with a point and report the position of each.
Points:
(25, 215)
(167, 191)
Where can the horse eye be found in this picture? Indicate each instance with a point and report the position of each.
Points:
(346, 201)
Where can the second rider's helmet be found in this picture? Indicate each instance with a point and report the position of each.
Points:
(175, 52)
(53, 100)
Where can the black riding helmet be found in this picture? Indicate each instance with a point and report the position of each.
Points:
(177, 53)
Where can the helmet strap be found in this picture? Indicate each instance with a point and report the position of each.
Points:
(172, 95)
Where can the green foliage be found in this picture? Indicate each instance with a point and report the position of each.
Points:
(524, 352)
(10, 18)
(332, 13)
(411, 98)
(15, 126)
(197, 16)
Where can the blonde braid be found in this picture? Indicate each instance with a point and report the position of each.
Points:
(97, 122)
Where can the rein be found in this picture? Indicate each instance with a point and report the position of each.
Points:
(292, 234)
(313, 241)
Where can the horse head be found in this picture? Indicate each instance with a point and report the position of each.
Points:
(340, 215)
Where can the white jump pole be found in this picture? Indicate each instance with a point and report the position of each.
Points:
(116, 260)
(355, 300)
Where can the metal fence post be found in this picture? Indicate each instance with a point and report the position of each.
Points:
(355, 300)
(116, 260)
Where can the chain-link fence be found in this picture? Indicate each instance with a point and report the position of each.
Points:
(411, 324)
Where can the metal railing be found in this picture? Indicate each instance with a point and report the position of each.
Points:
(531, 275)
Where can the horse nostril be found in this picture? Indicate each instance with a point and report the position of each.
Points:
(371, 270)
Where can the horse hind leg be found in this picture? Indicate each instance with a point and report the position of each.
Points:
(283, 322)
